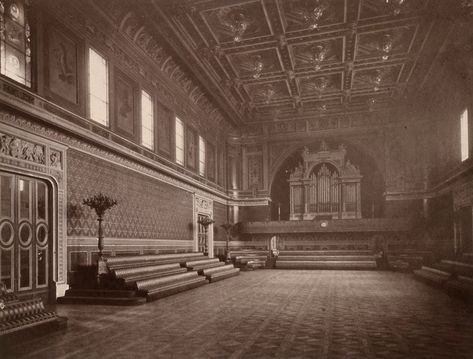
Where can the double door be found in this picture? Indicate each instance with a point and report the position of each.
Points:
(25, 235)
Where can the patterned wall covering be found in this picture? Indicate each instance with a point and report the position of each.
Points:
(143, 203)
(220, 217)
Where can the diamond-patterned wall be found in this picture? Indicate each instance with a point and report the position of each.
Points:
(146, 208)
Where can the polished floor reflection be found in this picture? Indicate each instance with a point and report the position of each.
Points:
(273, 314)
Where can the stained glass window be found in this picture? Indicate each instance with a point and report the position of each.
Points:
(98, 88)
(15, 41)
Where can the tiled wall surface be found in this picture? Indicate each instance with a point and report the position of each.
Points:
(146, 207)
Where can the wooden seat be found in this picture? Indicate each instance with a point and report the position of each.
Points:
(329, 259)
(249, 259)
(23, 318)
(213, 269)
(452, 275)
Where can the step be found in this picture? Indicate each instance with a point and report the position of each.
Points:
(100, 293)
(174, 288)
(201, 262)
(432, 275)
(150, 257)
(327, 264)
(126, 272)
(155, 261)
(132, 279)
(101, 300)
(218, 269)
(205, 266)
(326, 258)
(150, 284)
(324, 252)
(458, 264)
(214, 277)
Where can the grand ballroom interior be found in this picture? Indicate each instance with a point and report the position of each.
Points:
(236, 179)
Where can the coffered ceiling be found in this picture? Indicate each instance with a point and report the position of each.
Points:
(267, 60)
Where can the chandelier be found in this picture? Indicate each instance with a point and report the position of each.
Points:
(396, 5)
(318, 56)
(313, 16)
(377, 79)
(236, 21)
(386, 46)
(257, 67)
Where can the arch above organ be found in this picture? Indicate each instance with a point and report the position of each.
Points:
(325, 185)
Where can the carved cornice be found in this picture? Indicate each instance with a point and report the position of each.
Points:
(160, 63)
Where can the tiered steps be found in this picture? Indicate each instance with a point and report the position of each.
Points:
(213, 269)
(136, 279)
(247, 259)
(328, 259)
(453, 275)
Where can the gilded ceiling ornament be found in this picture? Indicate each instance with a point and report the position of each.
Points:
(235, 20)
(319, 53)
(396, 6)
(386, 46)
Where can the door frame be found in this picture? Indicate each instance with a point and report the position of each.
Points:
(49, 164)
(203, 206)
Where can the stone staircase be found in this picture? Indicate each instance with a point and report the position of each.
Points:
(454, 275)
(326, 259)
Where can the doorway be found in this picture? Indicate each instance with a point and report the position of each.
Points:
(25, 232)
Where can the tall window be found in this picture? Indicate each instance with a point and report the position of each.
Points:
(15, 42)
(201, 156)
(98, 88)
(179, 141)
(464, 135)
(147, 121)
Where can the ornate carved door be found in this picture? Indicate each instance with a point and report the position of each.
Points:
(24, 235)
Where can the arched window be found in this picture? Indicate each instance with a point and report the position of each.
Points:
(15, 41)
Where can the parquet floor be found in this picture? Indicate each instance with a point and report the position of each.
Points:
(273, 314)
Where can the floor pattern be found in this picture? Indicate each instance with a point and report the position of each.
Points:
(273, 314)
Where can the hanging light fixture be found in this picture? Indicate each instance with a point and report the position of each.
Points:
(386, 46)
(318, 56)
(257, 67)
(396, 5)
(313, 15)
(377, 79)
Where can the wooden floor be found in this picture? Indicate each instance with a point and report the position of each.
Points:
(273, 314)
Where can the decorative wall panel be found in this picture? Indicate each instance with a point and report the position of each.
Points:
(164, 130)
(210, 161)
(62, 65)
(191, 148)
(124, 105)
(220, 217)
(143, 203)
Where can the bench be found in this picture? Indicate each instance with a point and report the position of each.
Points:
(20, 319)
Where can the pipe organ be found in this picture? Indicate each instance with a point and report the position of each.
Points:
(325, 185)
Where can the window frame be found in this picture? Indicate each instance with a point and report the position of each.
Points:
(152, 126)
(202, 159)
(89, 93)
(178, 121)
(464, 134)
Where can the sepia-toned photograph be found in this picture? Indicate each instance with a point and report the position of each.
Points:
(194, 179)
